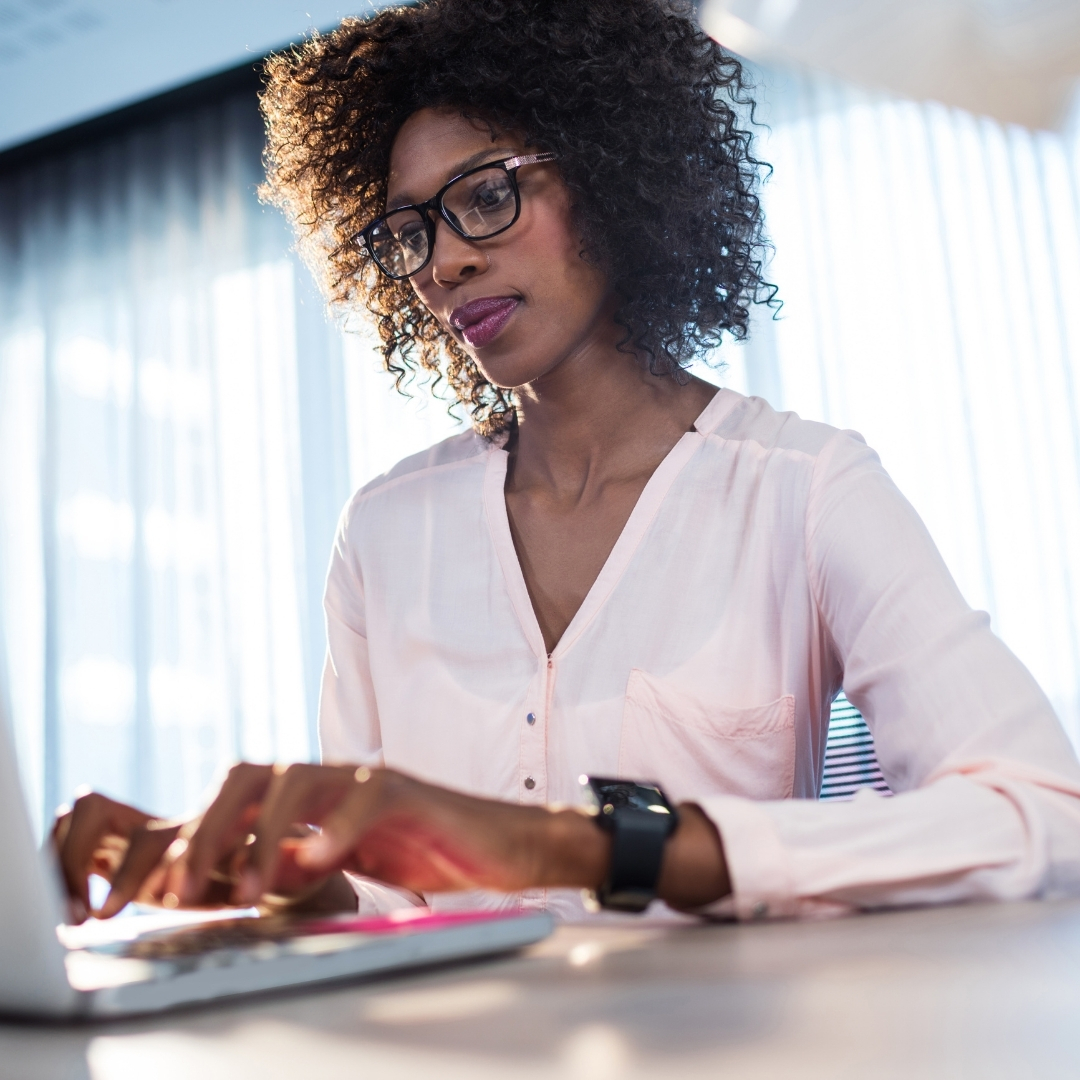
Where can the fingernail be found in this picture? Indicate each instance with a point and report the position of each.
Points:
(314, 850)
(181, 882)
(250, 888)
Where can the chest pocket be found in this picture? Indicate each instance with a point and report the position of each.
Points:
(695, 748)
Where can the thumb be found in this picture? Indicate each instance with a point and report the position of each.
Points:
(341, 829)
(326, 849)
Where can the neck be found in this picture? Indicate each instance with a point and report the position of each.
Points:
(600, 416)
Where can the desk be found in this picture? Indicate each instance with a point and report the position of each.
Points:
(980, 991)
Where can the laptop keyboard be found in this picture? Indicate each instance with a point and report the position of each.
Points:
(225, 934)
(236, 941)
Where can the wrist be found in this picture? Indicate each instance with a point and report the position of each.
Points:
(574, 853)
(694, 871)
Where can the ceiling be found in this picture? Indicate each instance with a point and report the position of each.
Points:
(63, 61)
(1017, 60)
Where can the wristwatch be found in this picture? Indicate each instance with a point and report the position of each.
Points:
(640, 819)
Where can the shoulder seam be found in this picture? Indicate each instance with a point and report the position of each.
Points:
(427, 470)
(793, 450)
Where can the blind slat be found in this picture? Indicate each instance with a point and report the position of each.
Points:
(851, 762)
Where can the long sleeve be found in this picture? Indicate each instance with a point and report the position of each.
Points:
(348, 713)
(988, 786)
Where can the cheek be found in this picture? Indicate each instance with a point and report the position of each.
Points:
(425, 290)
(553, 247)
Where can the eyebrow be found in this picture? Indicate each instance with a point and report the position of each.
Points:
(408, 199)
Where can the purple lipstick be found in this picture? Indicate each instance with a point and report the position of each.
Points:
(481, 321)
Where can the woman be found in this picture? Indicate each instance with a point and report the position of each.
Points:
(620, 571)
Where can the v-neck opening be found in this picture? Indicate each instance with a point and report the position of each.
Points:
(626, 545)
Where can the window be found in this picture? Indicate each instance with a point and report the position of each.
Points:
(929, 262)
(180, 427)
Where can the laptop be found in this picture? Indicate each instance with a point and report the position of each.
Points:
(142, 964)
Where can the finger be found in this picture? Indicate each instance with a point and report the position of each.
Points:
(221, 829)
(61, 825)
(342, 828)
(147, 848)
(160, 888)
(93, 818)
(76, 910)
(108, 856)
(290, 879)
(299, 794)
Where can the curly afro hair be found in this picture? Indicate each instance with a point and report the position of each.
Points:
(637, 102)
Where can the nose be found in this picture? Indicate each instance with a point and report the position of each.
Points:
(454, 259)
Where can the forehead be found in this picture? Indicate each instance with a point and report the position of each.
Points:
(434, 145)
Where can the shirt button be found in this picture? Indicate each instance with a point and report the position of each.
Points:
(530, 783)
(531, 718)
(760, 910)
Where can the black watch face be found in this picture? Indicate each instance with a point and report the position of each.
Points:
(619, 793)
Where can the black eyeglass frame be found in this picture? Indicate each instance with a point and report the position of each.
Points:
(510, 165)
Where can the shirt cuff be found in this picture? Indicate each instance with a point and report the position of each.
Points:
(375, 898)
(759, 866)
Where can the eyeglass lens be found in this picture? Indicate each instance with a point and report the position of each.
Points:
(478, 205)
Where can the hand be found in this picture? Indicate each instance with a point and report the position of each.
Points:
(379, 823)
(125, 846)
(389, 826)
(135, 852)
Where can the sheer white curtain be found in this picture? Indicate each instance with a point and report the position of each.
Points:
(929, 264)
(173, 457)
(180, 425)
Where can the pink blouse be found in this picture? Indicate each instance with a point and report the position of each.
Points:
(768, 562)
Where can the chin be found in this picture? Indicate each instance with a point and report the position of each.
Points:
(512, 370)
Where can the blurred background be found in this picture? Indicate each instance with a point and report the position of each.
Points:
(181, 421)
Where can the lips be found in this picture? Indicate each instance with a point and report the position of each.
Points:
(480, 321)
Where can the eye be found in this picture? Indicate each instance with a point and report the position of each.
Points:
(491, 194)
(410, 233)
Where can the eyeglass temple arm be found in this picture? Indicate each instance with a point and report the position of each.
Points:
(528, 159)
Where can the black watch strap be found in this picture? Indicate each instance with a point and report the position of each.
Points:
(640, 820)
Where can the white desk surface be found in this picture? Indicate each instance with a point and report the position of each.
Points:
(979, 991)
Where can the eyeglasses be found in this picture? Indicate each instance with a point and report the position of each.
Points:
(478, 204)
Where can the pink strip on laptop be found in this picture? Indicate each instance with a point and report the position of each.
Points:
(407, 919)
